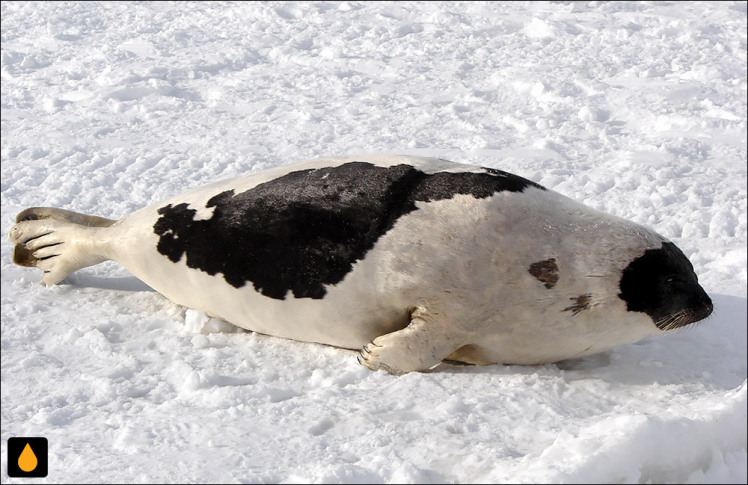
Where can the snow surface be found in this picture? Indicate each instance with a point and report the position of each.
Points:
(638, 109)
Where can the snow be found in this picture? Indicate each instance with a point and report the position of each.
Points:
(637, 109)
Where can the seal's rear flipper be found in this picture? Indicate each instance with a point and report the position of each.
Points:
(57, 241)
(23, 257)
(38, 213)
(418, 347)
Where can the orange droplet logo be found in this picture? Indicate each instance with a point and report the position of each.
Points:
(27, 461)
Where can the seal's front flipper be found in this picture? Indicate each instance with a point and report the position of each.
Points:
(418, 347)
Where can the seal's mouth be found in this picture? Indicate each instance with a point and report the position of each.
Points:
(686, 316)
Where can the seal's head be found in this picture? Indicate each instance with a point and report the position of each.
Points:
(662, 284)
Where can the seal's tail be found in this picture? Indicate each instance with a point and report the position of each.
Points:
(57, 241)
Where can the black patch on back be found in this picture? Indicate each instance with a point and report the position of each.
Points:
(662, 283)
(545, 271)
(305, 230)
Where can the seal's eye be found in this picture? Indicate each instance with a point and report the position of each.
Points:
(674, 280)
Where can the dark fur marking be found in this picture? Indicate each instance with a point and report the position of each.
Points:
(581, 302)
(662, 283)
(305, 230)
(23, 257)
(545, 271)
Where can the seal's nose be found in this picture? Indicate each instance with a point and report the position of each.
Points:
(704, 307)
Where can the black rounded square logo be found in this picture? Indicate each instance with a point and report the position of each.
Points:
(27, 457)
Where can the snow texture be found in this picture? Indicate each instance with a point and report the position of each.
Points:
(637, 109)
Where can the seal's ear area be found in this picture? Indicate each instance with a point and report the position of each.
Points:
(662, 284)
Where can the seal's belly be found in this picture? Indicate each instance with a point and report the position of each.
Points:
(347, 317)
(373, 299)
